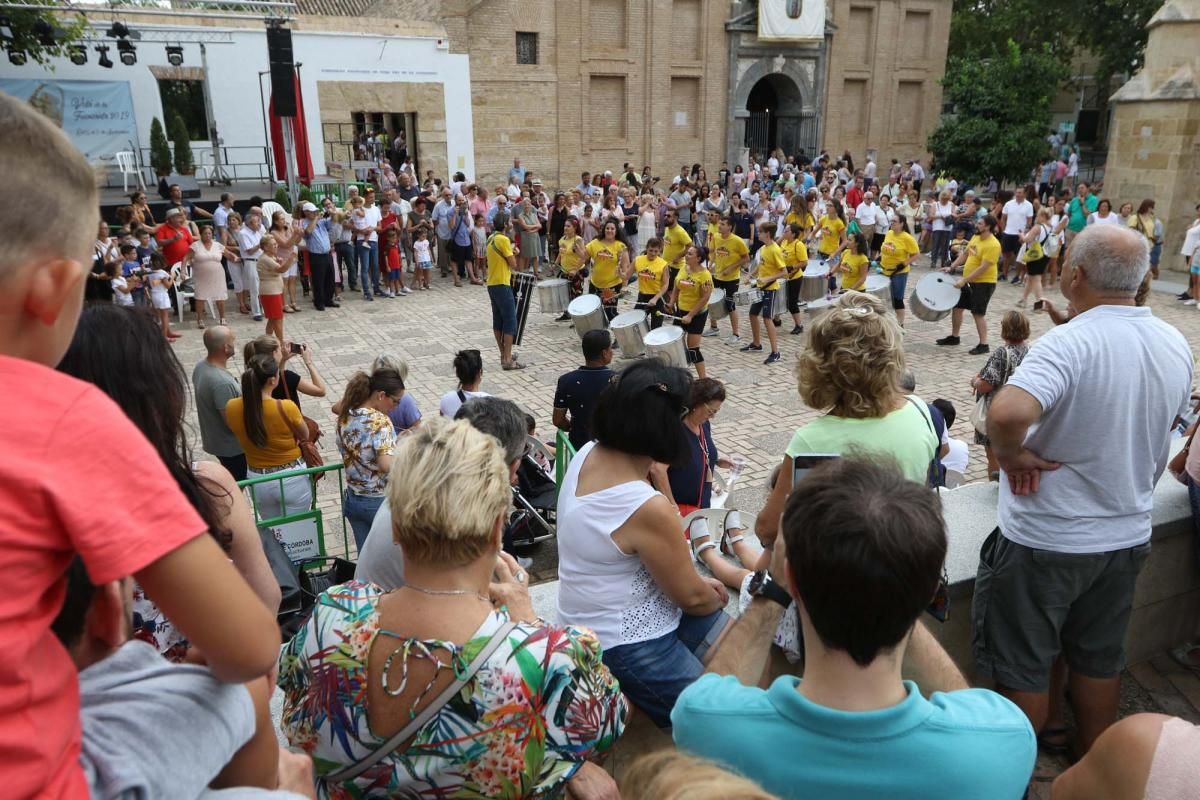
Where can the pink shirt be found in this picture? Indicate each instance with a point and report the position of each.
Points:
(76, 477)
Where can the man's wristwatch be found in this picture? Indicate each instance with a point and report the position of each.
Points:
(762, 585)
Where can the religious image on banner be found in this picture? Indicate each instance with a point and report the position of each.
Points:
(791, 20)
(97, 116)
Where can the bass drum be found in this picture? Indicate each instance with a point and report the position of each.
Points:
(934, 297)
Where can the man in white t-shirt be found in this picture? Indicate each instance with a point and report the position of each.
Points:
(916, 174)
(368, 246)
(1014, 221)
(869, 171)
(1081, 431)
(866, 213)
(249, 237)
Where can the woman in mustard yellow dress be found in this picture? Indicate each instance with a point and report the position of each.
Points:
(609, 259)
(570, 259)
(693, 288)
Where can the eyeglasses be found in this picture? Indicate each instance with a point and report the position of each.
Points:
(395, 400)
(712, 412)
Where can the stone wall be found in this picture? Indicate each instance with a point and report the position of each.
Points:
(1154, 148)
(886, 61)
(339, 99)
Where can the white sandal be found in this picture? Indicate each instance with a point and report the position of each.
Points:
(701, 542)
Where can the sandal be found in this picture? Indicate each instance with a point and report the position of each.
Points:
(295, 310)
(223, 322)
(700, 543)
(287, 309)
(727, 541)
(514, 364)
(1055, 741)
(200, 324)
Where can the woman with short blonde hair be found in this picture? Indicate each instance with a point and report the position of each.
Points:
(674, 775)
(363, 680)
(851, 371)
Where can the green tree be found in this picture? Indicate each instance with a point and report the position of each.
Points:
(1115, 32)
(160, 151)
(42, 35)
(183, 145)
(1001, 110)
(282, 197)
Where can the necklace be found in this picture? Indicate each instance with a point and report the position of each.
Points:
(449, 592)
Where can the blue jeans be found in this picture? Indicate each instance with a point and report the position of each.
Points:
(899, 284)
(654, 672)
(504, 309)
(368, 266)
(360, 511)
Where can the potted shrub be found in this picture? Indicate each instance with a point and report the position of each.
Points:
(160, 151)
(182, 140)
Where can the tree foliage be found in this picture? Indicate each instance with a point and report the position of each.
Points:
(182, 141)
(160, 151)
(31, 31)
(1001, 113)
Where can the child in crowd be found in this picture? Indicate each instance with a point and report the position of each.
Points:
(53, 510)
(395, 266)
(145, 247)
(479, 244)
(588, 223)
(160, 294)
(132, 269)
(423, 257)
(538, 456)
(122, 294)
(958, 244)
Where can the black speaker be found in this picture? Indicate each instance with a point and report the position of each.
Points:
(188, 186)
(283, 71)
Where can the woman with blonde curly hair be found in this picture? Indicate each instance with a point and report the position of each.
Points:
(673, 775)
(450, 685)
(850, 371)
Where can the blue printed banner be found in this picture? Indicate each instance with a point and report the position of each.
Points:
(96, 115)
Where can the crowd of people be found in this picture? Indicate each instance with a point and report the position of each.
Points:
(143, 619)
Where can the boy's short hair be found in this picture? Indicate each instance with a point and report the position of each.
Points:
(865, 551)
(52, 180)
(128, 248)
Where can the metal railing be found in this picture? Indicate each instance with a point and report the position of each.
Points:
(302, 533)
(563, 453)
(238, 163)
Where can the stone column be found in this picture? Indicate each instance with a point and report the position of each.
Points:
(1154, 143)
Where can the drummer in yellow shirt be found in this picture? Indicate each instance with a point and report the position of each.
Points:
(854, 264)
(675, 242)
(609, 258)
(896, 255)
(978, 282)
(690, 295)
(500, 263)
(570, 260)
(830, 230)
(771, 267)
(652, 281)
(795, 255)
(727, 253)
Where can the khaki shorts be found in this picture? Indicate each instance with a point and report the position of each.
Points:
(1030, 605)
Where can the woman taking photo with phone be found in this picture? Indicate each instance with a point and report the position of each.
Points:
(291, 385)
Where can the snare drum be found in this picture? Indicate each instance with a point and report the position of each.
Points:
(629, 330)
(553, 295)
(716, 305)
(666, 343)
(747, 297)
(815, 283)
(934, 297)
(881, 287)
(587, 314)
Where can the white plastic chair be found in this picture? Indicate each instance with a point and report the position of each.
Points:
(181, 296)
(127, 164)
(204, 166)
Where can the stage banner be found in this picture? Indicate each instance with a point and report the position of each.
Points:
(96, 115)
(791, 20)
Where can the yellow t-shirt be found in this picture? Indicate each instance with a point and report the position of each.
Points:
(569, 259)
(831, 235)
(675, 244)
(857, 264)
(795, 253)
(499, 250)
(606, 258)
(771, 266)
(691, 288)
(895, 250)
(650, 274)
(281, 447)
(979, 251)
(726, 252)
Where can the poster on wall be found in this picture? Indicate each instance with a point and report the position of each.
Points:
(97, 116)
(791, 20)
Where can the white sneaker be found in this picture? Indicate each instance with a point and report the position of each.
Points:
(733, 340)
(406, 290)
(1189, 302)
(711, 332)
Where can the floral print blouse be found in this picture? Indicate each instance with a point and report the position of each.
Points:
(540, 706)
(367, 433)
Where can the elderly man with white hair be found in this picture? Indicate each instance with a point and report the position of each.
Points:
(1081, 431)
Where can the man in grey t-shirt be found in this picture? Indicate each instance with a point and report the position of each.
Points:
(214, 387)
(1081, 431)
(682, 200)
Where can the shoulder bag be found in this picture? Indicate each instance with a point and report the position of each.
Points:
(939, 606)
(429, 712)
(979, 412)
(308, 447)
(314, 430)
(1177, 466)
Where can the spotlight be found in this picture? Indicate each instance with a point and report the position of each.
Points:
(44, 32)
(78, 54)
(174, 55)
(127, 52)
(118, 30)
(104, 60)
(17, 57)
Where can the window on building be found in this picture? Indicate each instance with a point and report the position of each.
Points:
(185, 98)
(527, 48)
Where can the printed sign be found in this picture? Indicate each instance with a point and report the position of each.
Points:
(96, 115)
(300, 539)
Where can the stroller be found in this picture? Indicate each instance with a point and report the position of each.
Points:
(535, 500)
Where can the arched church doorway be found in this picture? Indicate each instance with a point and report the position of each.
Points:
(775, 107)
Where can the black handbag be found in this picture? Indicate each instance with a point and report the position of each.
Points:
(291, 600)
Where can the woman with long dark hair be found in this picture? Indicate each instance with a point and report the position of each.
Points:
(123, 353)
(267, 429)
(468, 367)
(366, 439)
(609, 260)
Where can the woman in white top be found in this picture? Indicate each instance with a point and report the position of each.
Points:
(625, 569)
(1054, 244)
(941, 219)
(208, 277)
(468, 366)
(1103, 215)
(647, 219)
